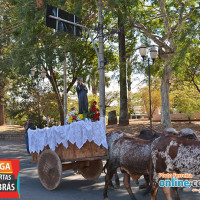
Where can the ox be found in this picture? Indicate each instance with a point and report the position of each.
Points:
(133, 156)
(170, 154)
(145, 134)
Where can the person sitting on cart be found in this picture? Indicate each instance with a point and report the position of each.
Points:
(82, 96)
(27, 125)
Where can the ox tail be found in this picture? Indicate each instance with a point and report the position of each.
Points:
(149, 187)
(105, 167)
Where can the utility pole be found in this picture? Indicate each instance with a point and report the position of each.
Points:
(101, 67)
(65, 89)
(53, 14)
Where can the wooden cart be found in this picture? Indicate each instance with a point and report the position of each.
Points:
(88, 161)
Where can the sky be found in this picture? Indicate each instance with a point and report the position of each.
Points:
(114, 84)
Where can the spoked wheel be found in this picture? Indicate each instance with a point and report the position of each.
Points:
(49, 169)
(92, 170)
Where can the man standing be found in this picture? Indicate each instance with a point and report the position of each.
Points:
(82, 96)
(27, 125)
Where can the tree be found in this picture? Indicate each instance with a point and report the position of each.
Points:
(123, 117)
(190, 70)
(155, 100)
(2, 97)
(168, 24)
(117, 11)
(32, 100)
(36, 46)
(4, 51)
(93, 80)
(186, 99)
(42, 48)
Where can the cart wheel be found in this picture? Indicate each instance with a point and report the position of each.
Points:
(92, 171)
(49, 169)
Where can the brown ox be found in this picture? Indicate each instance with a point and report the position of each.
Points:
(171, 154)
(131, 155)
(145, 134)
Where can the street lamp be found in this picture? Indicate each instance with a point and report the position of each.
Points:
(153, 55)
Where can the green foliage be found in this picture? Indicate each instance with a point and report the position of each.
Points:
(190, 67)
(185, 99)
(26, 42)
(155, 100)
(34, 45)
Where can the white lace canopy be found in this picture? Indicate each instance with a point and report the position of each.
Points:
(76, 132)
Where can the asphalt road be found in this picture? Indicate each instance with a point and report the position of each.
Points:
(72, 187)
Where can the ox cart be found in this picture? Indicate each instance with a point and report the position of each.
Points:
(80, 145)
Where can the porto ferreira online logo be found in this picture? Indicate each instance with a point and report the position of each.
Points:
(9, 178)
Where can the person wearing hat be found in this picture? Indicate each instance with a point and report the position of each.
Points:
(82, 96)
(27, 125)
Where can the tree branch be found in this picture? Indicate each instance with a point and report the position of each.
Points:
(72, 83)
(192, 76)
(153, 37)
(183, 19)
(166, 22)
(165, 16)
(195, 84)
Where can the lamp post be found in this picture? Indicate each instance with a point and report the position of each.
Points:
(43, 75)
(153, 55)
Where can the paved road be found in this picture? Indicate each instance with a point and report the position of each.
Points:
(72, 187)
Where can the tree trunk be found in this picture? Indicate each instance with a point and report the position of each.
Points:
(94, 90)
(129, 71)
(58, 97)
(2, 95)
(123, 118)
(2, 116)
(165, 86)
(129, 83)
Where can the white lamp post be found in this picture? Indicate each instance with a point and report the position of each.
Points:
(143, 51)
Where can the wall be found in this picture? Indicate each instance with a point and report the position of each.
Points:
(178, 117)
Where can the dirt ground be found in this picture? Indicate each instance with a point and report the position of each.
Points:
(12, 129)
(136, 125)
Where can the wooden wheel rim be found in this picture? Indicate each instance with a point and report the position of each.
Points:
(49, 169)
(93, 170)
